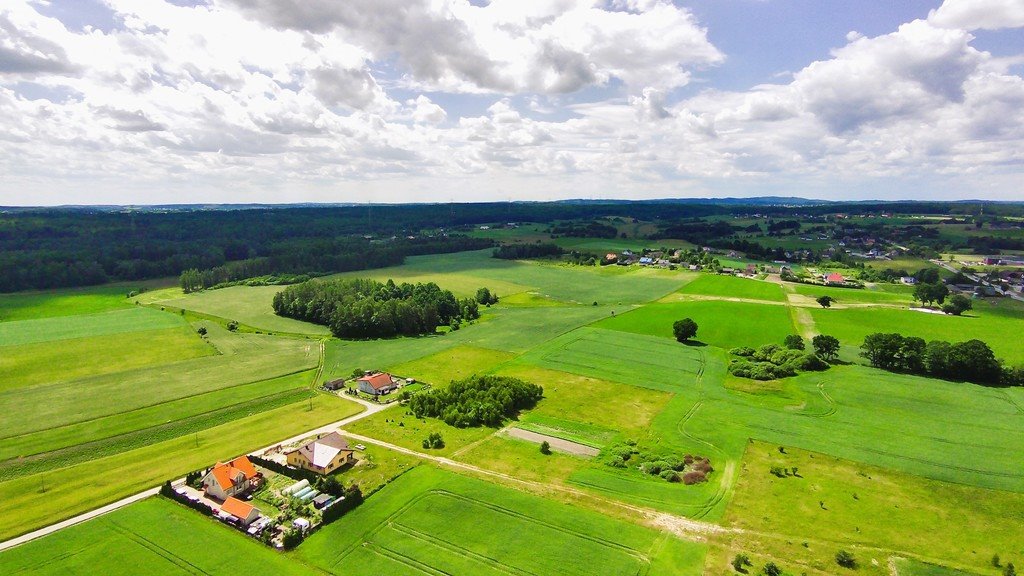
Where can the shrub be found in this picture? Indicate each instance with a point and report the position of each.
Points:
(742, 351)
(201, 331)
(670, 475)
(794, 342)
(291, 538)
(740, 562)
(545, 448)
(694, 477)
(845, 559)
(233, 326)
(433, 440)
(771, 569)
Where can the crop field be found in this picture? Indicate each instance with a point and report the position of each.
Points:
(252, 358)
(429, 521)
(722, 324)
(858, 505)
(100, 324)
(156, 536)
(30, 364)
(989, 326)
(250, 305)
(46, 497)
(666, 365)
(731, 286)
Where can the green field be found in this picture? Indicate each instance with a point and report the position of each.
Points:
(430, 521)
(880, 294)
(154, 536)
(452, 364)
(72, 359)
(250, 305)
(861, 507)
(100, 324)
(988, 325)
(68, 302)
(734, 287)
(722, 324)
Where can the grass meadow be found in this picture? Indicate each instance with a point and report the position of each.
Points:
(433, 521)
(720, 323)
(250, 305)
(67, 302)
(991, 326)
(868, 510)
(155, 536)
(734, 287)
(877, 295)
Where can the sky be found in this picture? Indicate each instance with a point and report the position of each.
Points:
(384, 101)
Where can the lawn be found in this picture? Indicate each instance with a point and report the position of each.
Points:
(250, 305)
(154, 536)
(438, 522)
(723, 324)
(734, 287)
(47, 363)
(99, 324)
(398, 426)
(642, 361)
(988, 325)
(854, 505)
(48, 497)
(881, 294)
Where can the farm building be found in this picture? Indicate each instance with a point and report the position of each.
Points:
(226, 480)
(243, 512)
(323, 455)
(835, 278)
(377, 384)
(337, 384)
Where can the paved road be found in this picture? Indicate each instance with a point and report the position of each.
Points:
(371, 408)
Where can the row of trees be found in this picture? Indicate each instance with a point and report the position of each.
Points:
(522, 251)
(972, 360)
(365, 308)
(477, 401)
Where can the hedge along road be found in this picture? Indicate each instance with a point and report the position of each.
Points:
(370, 409)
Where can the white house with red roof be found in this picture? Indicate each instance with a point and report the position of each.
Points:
(377, 383)
(835, 278)
(242, 512)
(228, 479)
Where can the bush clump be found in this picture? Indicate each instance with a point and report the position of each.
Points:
(771, 362)
(477, 401)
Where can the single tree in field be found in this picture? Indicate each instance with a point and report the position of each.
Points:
(771, 569)
(826, 346)
(794, 342)
(845, 559)
(684, 329)
(545, 448)
(740, 562)
(825, 301)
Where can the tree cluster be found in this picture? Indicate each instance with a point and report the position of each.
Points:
(477, 401)
(364, 308)
(972, 361)
(772, 361)
(928, 293)
(584, 229)
(524, 251)
(688, 469)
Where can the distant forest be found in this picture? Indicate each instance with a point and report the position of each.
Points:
(67, 247)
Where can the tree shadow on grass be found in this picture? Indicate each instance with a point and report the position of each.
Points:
(694, 343)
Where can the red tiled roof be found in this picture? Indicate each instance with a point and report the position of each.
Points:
(239, 469)
(378, 380)
(836, 277)
(237, 508)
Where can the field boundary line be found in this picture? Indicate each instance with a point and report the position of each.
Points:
(458, 550)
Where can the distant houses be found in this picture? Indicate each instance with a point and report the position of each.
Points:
(377, 383)
(229, 479)
(834, 278)
(323, 455)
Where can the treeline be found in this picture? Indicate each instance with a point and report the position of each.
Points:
(477, 401)
(522, 251)
(364, 308)
(320, 257)
(972, 361)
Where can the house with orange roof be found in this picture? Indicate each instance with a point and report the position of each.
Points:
(228, 479)
(323, 455)
(377, 383)
(242, 512)
(835, 278)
